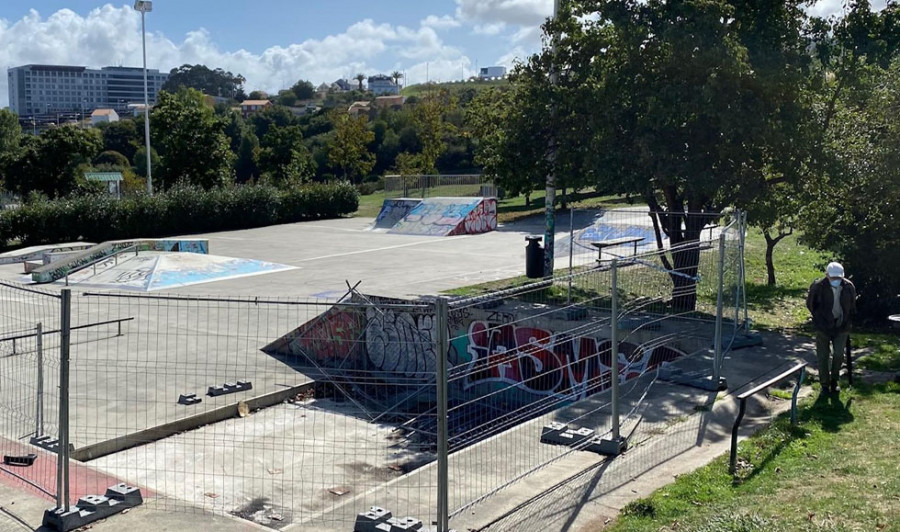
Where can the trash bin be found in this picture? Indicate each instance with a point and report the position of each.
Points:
(534, 258)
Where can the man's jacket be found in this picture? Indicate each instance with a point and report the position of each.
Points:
(820, 302)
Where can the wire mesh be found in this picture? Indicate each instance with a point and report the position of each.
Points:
(531, 355)
(29, 382)
(313, 433)
(429, 186)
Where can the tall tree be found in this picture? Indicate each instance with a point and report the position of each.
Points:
(191, 141)
(216, 82)
(429, 119)
(10, 132)
(667, 100)
(359, 79)
(303, 90)
(347, 148)
(284, 159)
(397, 76)
(122, 136)
(47, 164)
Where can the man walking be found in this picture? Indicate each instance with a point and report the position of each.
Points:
(832, 303)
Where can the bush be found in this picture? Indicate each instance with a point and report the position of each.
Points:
(183, 210)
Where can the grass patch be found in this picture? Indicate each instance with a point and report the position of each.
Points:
(884, 352)
(782, 306)
(837, 470)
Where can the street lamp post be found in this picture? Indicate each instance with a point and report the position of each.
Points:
(146, 6)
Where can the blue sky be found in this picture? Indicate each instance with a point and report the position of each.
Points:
(273, 43)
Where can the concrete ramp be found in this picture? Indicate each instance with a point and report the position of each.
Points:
(393, 211)
(449, 217)
(57, 270)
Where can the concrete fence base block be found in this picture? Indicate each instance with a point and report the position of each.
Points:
(551, 433)
(745, 340)
(229, 387)
(49, 444)
(188, 399)
(608, 446)
(367, 521)
(403, 525)
(702, 382)
(91, 508)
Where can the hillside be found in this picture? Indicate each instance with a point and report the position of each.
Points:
(453, 87)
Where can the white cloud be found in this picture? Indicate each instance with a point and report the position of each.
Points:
(433, 21)
(511, 12)
(489, 29)
(112, 36)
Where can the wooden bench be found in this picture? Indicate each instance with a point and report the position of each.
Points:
(613, 242)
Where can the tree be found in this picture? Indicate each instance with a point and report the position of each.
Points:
(216, 82)
(191, 141)
(851, 210)
(359, 79)
(139, 160)
(284, 158)
(304, 90)
(274, 115)
(10, 132)
(258, 95)
(347, 148)
(47, 164)
(123, 137)
(429, 119)
(112, 159)
(397, 76)
(672, 101)
(246, 166)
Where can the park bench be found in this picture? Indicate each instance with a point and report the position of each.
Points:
(613, 242)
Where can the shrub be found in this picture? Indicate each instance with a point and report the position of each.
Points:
(182, 210)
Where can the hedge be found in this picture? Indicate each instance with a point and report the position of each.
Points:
(179, 211)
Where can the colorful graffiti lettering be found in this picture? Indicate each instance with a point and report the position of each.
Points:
(545, 363)
(483, 218)
(400, 343)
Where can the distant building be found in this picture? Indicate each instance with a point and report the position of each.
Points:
(212, 101)
(37, 89)
(359, 108)
(381, 84)
(389, 102)
(249, 107)
(112, 181)
(343, 85)
(492, 72)
(104, 115)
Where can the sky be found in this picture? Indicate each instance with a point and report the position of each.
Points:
(274, 43)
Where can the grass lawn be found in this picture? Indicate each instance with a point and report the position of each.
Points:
(837, 470)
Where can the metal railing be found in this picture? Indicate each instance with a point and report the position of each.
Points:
(95, 262)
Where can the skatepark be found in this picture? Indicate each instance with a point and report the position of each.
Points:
(315, 458)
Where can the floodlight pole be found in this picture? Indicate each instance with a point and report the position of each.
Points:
(550, 194)
(144, 7)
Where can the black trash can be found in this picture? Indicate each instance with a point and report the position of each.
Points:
(534, 258)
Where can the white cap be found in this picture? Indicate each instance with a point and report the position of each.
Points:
(834, 269)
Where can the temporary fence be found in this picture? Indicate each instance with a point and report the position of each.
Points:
(302, 414)
(429, 186)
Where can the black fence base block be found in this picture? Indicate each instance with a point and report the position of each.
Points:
(746, 340)
(702, 382)
(19, 461)
(608, 446)
(91, 508)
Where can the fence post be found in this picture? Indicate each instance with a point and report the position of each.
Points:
(62, 469)
(616, 444)
(443, 337)
(39, 400)
(743, 280)
(717, 363)
(614, 340)
(571, 252)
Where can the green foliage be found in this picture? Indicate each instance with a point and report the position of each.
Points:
(287, 98)
(284, 159)
(124, 136)
(180, 210)
(10, 132)
(47, 164)
(216, 82)
(140, 161)
(191, 141)
(347, 147)
(431, 128)
(303, 90)
(112, 158)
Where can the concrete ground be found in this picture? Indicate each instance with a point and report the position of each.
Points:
(124, 384)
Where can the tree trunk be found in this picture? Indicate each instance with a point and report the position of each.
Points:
(770, 264)
(528, 199)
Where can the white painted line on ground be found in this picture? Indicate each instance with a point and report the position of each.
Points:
(386, 248)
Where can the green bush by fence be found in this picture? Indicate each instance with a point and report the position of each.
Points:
(179, 211)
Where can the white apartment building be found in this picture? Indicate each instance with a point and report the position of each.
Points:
(37, 89)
